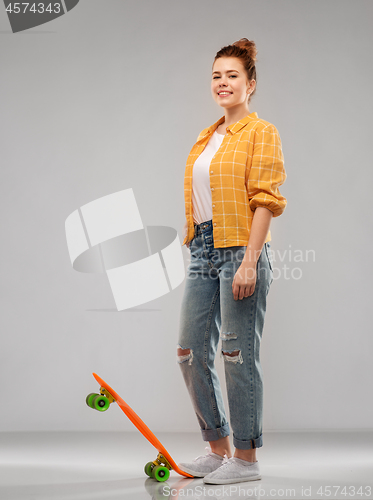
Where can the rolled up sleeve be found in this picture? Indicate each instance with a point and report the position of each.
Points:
(267, 172)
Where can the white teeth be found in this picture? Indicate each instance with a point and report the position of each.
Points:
(224, 93)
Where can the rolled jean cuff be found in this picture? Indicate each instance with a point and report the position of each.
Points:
(248, 444)
(215, 434)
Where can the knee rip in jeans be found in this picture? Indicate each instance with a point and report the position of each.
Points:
(228, 336)
(232, 356)
(184, 355)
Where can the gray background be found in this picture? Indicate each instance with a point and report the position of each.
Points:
(112, 96)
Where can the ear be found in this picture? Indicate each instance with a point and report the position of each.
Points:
(252, 85)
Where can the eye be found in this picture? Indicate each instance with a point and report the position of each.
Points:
(233, 76)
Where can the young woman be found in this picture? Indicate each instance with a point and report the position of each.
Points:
(232, 177)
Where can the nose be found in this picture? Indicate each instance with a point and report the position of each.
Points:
(223, 82)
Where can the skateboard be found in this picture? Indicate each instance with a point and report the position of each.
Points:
(159, 468)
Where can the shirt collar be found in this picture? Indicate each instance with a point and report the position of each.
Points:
(232, 129)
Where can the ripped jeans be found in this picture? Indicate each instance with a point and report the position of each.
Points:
(210, 313)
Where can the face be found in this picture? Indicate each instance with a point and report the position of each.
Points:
(229, 76)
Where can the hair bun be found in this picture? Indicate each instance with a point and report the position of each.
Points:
(247, 45)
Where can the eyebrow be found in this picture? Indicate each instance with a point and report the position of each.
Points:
(229, 71)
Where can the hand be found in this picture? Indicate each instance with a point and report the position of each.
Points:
(244, 281)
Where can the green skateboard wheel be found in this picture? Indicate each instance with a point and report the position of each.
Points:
(100, 403)
(89, 398)
(149, 469)
(161, 473)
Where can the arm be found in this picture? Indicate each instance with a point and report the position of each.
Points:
(266, 174)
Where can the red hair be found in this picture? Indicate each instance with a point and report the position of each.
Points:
(246, 51)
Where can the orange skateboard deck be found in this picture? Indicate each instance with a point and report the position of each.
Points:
(160, 468)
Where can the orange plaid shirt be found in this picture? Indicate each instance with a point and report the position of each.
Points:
(245, 173)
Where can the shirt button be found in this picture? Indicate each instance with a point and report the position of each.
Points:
(214, 223)
(212, 189)
(213, 206)
(211, 172)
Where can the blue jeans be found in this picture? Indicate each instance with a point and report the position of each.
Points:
(210, 313)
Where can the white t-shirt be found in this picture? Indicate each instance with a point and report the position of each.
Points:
(201, 192)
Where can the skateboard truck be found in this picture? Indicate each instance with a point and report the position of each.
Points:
(105, 392)
(159, 469)
(100, 402)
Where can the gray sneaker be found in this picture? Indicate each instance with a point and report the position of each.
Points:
(234, 470)
(202, 465)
